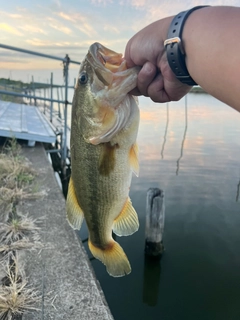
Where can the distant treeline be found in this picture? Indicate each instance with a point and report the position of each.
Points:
(16, 83)
(22, 85)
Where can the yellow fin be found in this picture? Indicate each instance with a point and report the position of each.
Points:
(74, 212)
(133, 157)
(113, 257)
(127, 221)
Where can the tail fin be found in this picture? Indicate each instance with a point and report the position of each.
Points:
(113, 257)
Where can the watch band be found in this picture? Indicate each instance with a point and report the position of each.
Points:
(173, 45)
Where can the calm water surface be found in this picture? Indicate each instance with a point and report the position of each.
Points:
(193, 154)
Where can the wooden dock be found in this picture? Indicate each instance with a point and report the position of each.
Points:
(25, 122)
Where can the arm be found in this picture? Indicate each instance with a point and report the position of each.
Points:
(212, 47)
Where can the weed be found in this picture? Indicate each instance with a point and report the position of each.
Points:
(18, 232)
(17, 228)
(15, 295)
(12, 147)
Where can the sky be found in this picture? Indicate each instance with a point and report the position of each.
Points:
(60, 27)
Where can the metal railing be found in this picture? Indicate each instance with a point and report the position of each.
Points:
(66, 62)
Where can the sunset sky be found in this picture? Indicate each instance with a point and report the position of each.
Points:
(58, 27)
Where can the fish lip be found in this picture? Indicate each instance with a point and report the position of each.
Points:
(105, 62)
(95, 56)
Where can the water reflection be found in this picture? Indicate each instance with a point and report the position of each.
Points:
(166, 129)
(184, 136)
(238, 191)
(151, 280)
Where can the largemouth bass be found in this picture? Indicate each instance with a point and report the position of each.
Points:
(105, 120)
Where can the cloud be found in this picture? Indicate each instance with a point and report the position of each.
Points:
(80, 22)
(76, 50)
(6, 27)
(71, 27)
(86, 29)
(101, 2)
(21, 9)
(14, 15)
(5, 14)
(32, 29)
(139, 3)
(111, 28)
(57, 2)
(14, 57)
(11, 60)
(9, 54)
(55, 24)
(24, 22)
(66, 16)
(47, 43)
(62, 29)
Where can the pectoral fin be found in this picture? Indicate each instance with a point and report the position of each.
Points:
(74, 212)
(133, 158)
(127, 221)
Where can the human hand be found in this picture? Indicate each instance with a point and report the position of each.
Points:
(156, 79)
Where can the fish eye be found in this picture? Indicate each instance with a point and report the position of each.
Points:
(83, 78)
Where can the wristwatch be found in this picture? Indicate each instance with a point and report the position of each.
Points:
(174, 48)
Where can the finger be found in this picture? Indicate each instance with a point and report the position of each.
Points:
(127, 55)
(145, 77)
(156, 90)
(162, 90)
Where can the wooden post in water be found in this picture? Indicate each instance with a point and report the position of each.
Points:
(155, 217)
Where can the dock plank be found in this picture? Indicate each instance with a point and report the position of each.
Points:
(25, 122)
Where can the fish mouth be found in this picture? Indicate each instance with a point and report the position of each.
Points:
(105, 62)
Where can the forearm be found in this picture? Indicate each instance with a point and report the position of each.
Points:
(212, 46)
(211, 43)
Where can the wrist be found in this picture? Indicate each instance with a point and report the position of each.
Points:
(175, 49)
(164, 27)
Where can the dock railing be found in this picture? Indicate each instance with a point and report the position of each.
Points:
(66, 62)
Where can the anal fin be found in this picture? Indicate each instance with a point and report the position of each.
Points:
(74, 212)
(127, 221)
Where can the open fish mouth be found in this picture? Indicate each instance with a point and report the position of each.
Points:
(105, 62)
(110, 83)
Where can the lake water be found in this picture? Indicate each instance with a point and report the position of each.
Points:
(191, 150)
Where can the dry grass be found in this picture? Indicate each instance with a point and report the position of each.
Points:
(14, 172)
(19, 228)
(16, 296)
(18, 231)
